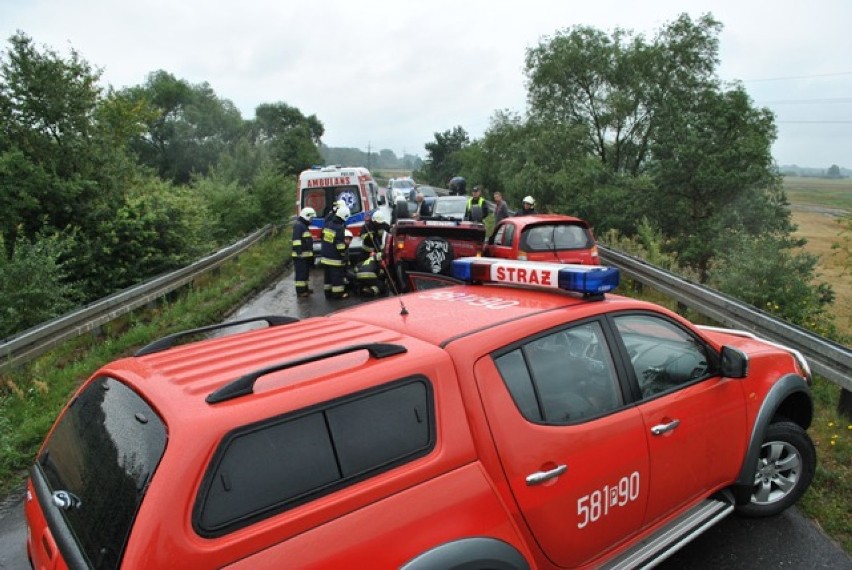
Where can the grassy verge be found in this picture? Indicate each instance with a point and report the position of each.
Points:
(32, 397)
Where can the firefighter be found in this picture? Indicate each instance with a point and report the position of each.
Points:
(303, 251)
(333, 210)
(369, 277)
(373, 233)
(348, 269)
(334, 254)
(528, 207)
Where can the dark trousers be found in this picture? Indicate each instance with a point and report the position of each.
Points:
(333, 282)
(302, 267)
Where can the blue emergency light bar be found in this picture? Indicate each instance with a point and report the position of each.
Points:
(585, 279)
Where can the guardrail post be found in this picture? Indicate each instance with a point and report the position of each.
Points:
(844, 406)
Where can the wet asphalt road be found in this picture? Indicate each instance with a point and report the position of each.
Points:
(788, 541)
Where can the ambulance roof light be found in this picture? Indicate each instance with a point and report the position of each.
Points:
(585, 279)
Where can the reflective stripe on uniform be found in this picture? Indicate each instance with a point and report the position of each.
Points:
(332, 262)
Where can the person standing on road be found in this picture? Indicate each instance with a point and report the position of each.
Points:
(501, 209)
(421, 209)
(528, 208)
(303, 251)
(476, 209)
(333, 252)
(501, 212)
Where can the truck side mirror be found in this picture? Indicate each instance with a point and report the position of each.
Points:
(734, 363)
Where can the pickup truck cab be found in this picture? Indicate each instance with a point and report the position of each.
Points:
(526, 418)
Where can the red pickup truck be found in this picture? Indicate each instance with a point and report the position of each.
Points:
(528, 418)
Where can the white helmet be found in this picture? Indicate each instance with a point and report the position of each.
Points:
(529, 200)
(308, 213)
(342, 211)
(379, 217)
(347, 234)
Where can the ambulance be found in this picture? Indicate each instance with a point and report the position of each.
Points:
(321, 186)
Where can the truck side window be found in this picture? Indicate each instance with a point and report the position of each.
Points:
(663, 355)
(569, 372)
(516, 375)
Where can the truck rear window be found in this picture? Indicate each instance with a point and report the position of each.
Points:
(263, 469)
(556, 237)
(98, 462)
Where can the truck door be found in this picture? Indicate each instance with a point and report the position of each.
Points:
(695, 421)
(574, 455)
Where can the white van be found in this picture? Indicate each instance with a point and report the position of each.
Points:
(321, 186)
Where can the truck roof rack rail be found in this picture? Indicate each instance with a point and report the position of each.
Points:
(244, 385)
(171, 340)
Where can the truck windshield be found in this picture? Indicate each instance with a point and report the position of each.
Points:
(101, 456)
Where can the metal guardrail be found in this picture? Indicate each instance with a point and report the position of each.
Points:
(41, 338)
(826, 358)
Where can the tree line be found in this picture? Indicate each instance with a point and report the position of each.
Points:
(639, 136)
(103, 188)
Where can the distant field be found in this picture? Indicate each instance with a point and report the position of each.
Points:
(820, 192)
(818, 207)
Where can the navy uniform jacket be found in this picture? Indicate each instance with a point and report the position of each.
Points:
(333, 247)
(303, 243)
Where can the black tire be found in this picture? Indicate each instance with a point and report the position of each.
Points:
(784, 470)
(401, 210)
(434, 255)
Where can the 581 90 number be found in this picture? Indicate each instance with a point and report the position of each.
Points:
(600, 502)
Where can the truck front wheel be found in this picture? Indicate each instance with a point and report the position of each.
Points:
(784, 470)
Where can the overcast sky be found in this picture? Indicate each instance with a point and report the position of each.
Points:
(389, 75)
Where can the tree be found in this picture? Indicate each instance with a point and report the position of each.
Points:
(613, 86)
(713, 171)
(293, 138)
(442, 161)
(833, 172)
(61, 153)
(188, 126)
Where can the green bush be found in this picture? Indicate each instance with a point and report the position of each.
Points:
(156, 227)
(33, 285)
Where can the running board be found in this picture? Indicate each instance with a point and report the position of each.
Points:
(674, 535)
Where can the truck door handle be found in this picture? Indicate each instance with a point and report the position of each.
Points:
(542, 476)
(660, 429)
